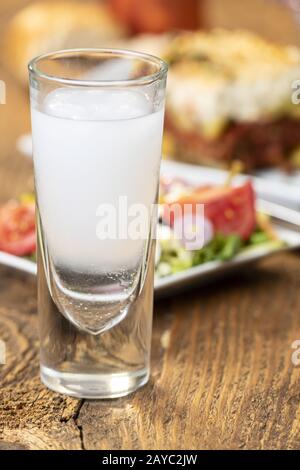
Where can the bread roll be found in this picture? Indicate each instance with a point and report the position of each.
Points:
(53, 25)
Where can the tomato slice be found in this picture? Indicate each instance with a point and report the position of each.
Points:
(231, 210)
(17, 228)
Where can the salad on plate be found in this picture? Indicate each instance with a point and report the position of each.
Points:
(230, 225)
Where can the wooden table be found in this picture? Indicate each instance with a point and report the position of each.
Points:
(222, 376)
(223, 380)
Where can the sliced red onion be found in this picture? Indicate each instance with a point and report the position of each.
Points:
(172, 188)
(193, 230)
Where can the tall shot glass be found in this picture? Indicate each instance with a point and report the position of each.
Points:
(97, 122)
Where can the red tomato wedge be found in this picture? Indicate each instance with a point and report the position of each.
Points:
(17, 228)
(231, 210)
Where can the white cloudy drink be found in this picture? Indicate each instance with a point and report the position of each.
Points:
(97, 133)
(94, 148)
(90, 148)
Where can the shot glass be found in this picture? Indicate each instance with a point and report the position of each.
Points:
(97, 123)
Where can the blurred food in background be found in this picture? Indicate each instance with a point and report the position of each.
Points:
(47, 26)
(157, 16)
(229, 89)
(229, 97)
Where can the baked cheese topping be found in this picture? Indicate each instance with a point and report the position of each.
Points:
(221, 76)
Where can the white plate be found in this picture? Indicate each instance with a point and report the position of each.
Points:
(270, 185)
(286, 223)
(212, 270)
(196, 275)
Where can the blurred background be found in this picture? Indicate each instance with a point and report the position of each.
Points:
(29, 28)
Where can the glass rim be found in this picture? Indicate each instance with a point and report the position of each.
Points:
(143, 80)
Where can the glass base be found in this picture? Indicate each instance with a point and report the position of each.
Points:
(94, 386)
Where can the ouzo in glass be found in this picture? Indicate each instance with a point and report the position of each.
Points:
(97, 123)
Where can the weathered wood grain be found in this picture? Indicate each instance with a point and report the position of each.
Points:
(222, 375)
(224, 381)
(30, 415)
